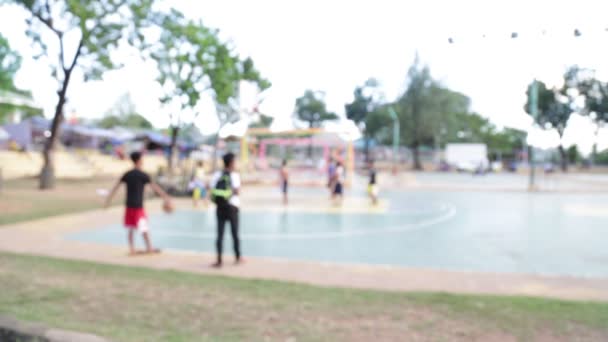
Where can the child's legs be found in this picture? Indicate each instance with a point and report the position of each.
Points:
(142, 226)
(234, 230)
(221, 224)
(196, 195)
(131, 242)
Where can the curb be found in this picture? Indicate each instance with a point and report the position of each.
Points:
(14, 330)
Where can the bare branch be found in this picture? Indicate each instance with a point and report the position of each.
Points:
(48, 8)
(61, 53)
(48, 23)
(78, 51)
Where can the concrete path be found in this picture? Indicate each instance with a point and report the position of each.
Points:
(45, 237)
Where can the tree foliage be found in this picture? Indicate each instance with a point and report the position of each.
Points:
(311, 108)
(426, 109)
(378, 124)
(84, 33)
(365, 102)
(192, 61)
(554, 108)
(596, 100)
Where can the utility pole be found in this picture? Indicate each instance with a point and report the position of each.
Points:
(533, 112)
(395, 118)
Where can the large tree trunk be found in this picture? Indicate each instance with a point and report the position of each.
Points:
(563, 158)
(173, 153)
(47, 174)
(416, 153)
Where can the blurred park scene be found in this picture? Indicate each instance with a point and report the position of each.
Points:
(420, 171)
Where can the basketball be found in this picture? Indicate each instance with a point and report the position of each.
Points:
(168, 207)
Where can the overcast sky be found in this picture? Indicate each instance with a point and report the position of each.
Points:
(335, 45)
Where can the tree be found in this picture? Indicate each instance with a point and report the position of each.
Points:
(191, 61)
(553, 112)
(96, 28)
(123, 113)
(596, 105)
(362, 106)
(418, 110)
(377, 124)
(311, 109)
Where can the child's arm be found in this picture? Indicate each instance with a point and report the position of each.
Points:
(111, 194)
(159, 191)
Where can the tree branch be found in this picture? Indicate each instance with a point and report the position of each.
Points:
(48, 7)
(61, 53)
(78, 51)
(48, 23)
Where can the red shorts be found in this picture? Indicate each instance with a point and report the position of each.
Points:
(136, 218)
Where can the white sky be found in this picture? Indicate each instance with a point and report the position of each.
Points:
(333, 46)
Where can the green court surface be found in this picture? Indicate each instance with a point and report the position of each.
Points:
(538, 233)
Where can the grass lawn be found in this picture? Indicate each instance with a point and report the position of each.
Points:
(136, 304)
(20, 200)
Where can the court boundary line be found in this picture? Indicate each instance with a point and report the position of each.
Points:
(450, 212)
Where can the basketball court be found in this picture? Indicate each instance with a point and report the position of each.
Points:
(498, 232)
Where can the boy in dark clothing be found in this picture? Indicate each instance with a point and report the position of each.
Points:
(225, 194)
(372, 187)
(135, 216)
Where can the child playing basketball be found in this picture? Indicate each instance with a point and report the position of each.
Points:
(135, 215)
(284, 180)
(338, 184)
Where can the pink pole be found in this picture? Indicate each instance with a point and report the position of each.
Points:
(262, 155)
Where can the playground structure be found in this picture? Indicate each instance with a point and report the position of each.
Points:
(262, 149)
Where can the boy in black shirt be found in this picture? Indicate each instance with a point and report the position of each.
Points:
(135, 215)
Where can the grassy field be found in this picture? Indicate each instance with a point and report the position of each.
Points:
(135, 304)
(20, 200)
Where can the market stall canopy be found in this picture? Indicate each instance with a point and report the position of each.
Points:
(21, 132)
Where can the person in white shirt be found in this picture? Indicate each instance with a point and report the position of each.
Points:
(225, 194)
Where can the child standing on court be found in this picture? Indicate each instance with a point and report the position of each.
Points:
(284, 180)
(225, 195)
(135, 216)
(338, 192)
(372, 187)
(198, 186)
